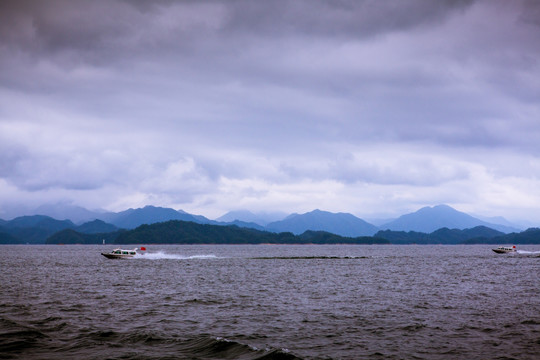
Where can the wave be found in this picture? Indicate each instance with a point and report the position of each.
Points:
(162, 255)
(206, 347)
(20, 341)
(16, 337)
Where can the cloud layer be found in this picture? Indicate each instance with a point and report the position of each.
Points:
(369, 107)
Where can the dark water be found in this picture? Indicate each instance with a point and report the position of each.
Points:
(270, 302)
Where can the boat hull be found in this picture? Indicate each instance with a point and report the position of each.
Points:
(120, 254)
(116, 256)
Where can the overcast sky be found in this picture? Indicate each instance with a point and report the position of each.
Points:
(376, 108)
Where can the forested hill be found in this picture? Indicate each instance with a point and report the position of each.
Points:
(184, 232)
(444, 236)
(528, 237)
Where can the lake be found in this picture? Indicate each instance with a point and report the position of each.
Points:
(270, 302)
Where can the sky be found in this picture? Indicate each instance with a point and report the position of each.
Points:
(376, 108)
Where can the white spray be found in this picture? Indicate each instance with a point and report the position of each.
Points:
(161, 255)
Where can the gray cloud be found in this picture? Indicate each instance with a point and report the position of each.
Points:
(199, 104)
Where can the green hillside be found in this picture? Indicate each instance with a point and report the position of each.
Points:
(185, 232)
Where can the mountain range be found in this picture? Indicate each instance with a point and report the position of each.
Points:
(36, 228)
(187, 232)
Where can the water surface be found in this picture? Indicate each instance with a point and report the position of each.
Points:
(270, 302)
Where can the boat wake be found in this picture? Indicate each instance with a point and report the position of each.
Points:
(309, 257)
(161, 255)
(525, 252)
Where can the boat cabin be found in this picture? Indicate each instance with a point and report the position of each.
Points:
(123, 252)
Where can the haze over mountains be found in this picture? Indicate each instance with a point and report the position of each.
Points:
(430, 225)
(261, 218)
(341, 224)
(427, 219)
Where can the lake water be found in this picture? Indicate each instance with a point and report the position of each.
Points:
(270, 302)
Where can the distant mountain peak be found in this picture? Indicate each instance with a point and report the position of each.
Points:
(343, 224)
(429, 219)
(437, 208)
(443, 206)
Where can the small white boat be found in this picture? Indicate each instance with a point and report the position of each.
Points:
(505, 249)
(120, 254)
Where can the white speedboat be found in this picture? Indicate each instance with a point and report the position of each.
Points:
(505, 249)
(120, 254)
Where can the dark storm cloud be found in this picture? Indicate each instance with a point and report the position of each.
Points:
(60, 24)
(328, 19)
(262, 43)
(226, 38)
